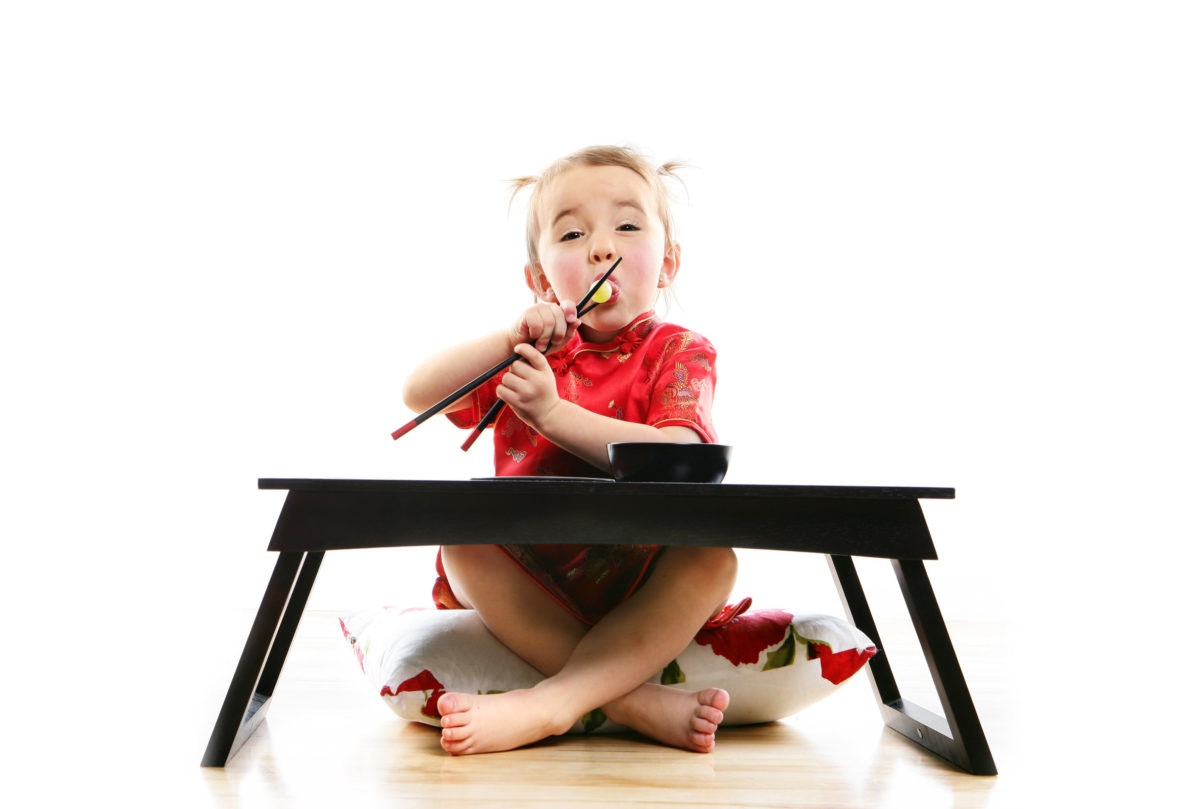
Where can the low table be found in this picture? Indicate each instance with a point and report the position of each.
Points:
(839, 521)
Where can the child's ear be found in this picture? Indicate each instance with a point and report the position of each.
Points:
(536, 280)
(670, 266)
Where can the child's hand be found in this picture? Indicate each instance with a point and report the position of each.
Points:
(547, 326)
(529, 386)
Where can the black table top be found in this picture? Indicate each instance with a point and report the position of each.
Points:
(341, 514)
(603, 485)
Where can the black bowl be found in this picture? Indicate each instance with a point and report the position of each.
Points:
(669, 463)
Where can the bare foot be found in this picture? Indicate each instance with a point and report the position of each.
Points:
(490, 723)
(683, 719)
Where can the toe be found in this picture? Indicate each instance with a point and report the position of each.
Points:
(716, 698)
(450, 704)
(710, 715)
(703, 742)
(454, 720)
(453, 745)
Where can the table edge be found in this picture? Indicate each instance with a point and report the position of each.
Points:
(402, 486)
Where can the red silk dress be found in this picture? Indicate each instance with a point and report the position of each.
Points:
(652, 373)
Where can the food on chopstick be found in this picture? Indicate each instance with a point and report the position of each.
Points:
(603, 294)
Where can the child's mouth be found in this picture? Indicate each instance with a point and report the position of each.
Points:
(606, 294)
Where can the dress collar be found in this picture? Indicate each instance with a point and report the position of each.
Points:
(623, 344)
(629, 338)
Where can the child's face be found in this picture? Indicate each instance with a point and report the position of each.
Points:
(589, 216)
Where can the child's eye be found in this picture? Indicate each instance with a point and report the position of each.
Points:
(628, 226)
(570, 235)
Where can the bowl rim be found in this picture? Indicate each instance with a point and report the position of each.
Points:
(643, 456)
(669, 444)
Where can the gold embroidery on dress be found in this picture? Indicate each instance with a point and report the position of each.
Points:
(679, 392)
(575, 380)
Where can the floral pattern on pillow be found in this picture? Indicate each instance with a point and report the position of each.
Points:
(773, 663)
(743, 639)
(424, 682)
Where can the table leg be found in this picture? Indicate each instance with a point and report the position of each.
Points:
(262, 659)
(958, 736)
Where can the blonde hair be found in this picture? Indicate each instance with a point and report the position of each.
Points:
(621, 156)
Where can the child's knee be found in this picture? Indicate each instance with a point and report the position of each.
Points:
(713, 569)
(725, 566)
(463, 563)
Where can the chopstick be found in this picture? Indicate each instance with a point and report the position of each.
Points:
(486, 375)
(585, 305)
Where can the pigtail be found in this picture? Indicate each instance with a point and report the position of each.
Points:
(519, 184)
(670, 170)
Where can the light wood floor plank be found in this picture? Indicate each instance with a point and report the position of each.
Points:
(327, 741)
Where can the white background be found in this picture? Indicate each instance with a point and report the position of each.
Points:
(937, 244)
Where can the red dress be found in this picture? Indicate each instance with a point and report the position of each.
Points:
(652, 373)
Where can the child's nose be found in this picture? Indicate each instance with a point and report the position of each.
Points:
(602, 251)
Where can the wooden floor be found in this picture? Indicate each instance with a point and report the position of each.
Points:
(103, 705)
(327, 741)
(121, 714)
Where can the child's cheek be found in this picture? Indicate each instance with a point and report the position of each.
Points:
(643, 259)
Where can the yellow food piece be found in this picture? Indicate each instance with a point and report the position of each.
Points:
(603, 293)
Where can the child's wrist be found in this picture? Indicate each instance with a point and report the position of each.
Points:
(512, 338)
(548, 421)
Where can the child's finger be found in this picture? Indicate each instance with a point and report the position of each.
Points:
(552, 329)
(533, 356)
(571, 319)
(555, 328)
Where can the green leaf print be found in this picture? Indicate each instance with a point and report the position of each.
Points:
(785, 655)
(593, 719)
(672, 674)
(812, 645)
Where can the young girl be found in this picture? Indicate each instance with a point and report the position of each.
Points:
(597, 621)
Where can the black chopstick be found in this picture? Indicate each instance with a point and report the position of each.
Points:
(486, 375)
(585, 305)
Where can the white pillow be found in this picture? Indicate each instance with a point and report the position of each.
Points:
(771, 662)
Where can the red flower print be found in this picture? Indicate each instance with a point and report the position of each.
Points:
(424, 681)
(744, 638)
(837, 667)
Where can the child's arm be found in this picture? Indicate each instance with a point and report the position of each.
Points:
(529, 389)
(448, 370)
(545, 326)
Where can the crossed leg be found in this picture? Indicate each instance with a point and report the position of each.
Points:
(603, 666)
